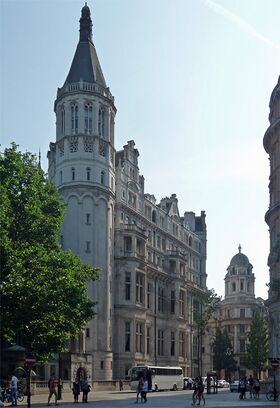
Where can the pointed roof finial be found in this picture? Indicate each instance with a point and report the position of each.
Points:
(39, 162)
(85, 24)
(239, 248)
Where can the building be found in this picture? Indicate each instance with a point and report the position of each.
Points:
(237, 309)
(153, 260)
(271, 143)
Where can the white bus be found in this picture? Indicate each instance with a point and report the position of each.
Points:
(159, 378)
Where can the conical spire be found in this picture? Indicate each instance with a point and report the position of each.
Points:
(85, 24)
(85, 65)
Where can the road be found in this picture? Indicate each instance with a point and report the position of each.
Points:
(171, 399)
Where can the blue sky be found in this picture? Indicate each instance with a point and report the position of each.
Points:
(192, 81)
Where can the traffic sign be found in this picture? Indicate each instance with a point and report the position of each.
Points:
(30, 360)
(275, 363)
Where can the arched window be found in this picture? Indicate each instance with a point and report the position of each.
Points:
(73, 173)
(154, 216)
(102, 178)
(88, 173)
(101, 122)
(88, 118)
(62, 121)
(190, 241)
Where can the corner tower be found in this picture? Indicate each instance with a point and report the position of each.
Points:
(81, 164)
(271, 142)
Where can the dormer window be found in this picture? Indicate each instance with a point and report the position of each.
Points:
(88, 118)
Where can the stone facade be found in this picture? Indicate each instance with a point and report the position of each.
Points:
(153, 261)
(237, 309)
(271, 143)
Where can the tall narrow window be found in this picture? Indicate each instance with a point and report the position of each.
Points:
(139, 338)
(139, 288)
(160, 342)
(102, 177)
(182, 303)
(60, 177)
(86, 112)
(101, 122)
(72, 119)
(182, 344)
(62, 121)
(88, 118)
(73, 173)
(149, 290)
(127, 285)
(88, 173)
(160, 300)
(87, 246)
(172, 302)
(87, 219)
(148, 340)
(76, 119)
(172, 344)
(127, 336)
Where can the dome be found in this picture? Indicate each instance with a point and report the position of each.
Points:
(239, 259)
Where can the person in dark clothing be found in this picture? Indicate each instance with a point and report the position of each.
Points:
(86, 390)
(76, 390)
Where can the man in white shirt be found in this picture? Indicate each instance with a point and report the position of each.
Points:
(14, 384)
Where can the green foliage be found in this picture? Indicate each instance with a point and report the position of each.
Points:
(257, 349)
(204, 305)
(223, 355)
(43, 289)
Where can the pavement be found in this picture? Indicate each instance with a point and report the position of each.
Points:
(166, 399)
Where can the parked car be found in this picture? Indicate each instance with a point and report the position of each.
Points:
(223, 384)
(234, 385)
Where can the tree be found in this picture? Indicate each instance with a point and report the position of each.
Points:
(257, 348)
(204, 305)
(223, 355)
(44, 295)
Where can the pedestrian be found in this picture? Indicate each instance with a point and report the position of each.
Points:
(52, 384)
(13, 386)
(144, 391)
(195, 391)
(59, 389)
(86, 390)
(251, 386)
(190, 383)
(257, 387)
(76, 390)
(242, 388)
(139, 389)
(200, 391)
(121, 385)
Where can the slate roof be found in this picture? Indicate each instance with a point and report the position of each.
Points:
(85, 65)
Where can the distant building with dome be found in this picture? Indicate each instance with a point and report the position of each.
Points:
(237, 309)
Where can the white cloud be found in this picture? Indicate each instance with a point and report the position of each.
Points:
(238, 21)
